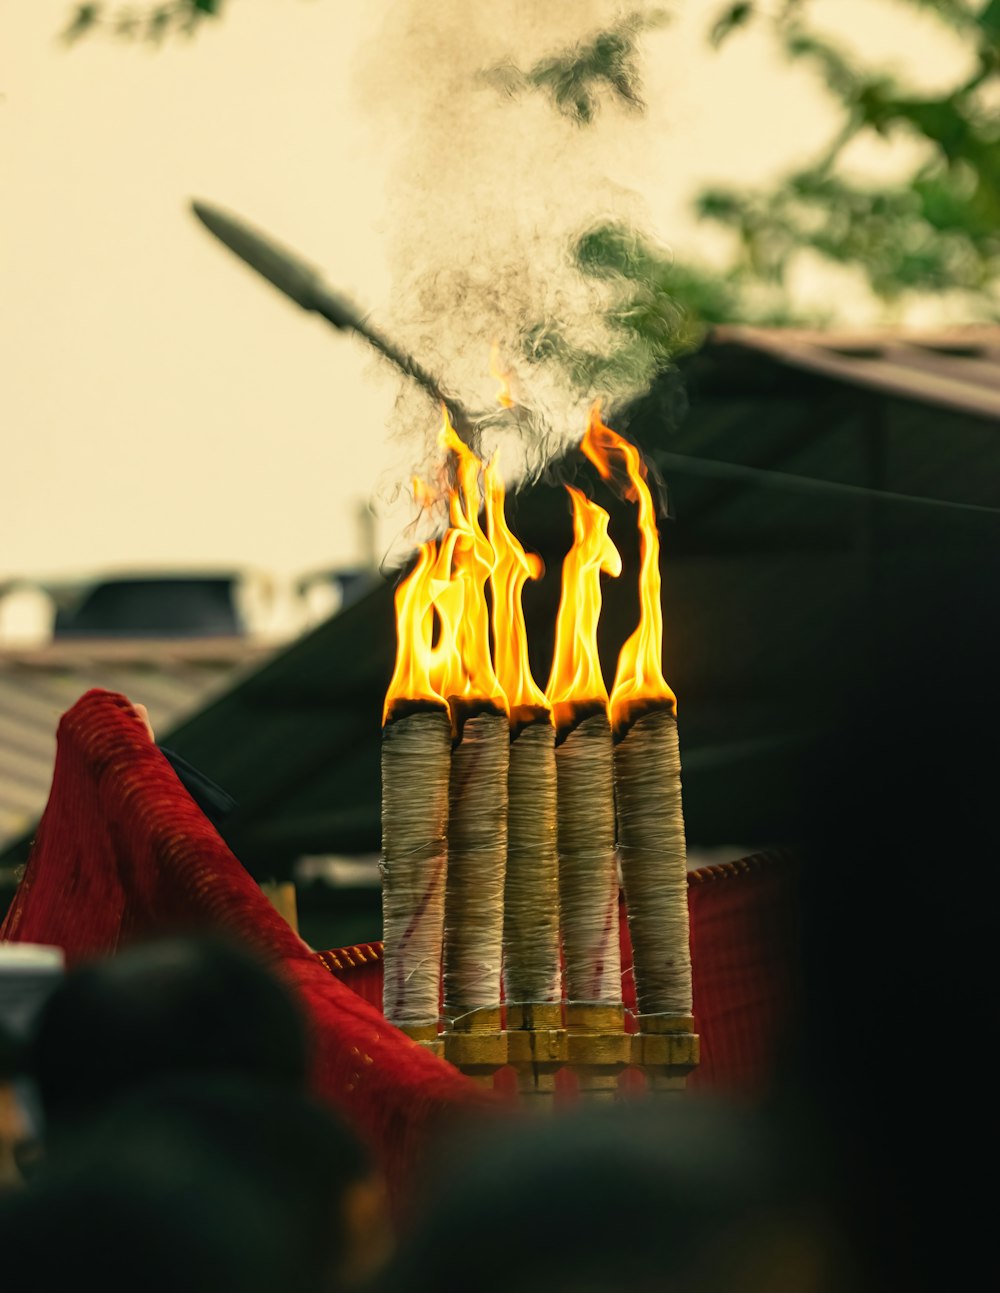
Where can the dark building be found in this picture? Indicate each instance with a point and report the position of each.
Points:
(152, 606)
(821, 489)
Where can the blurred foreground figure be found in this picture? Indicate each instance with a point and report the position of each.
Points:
(900, 924)
(13, 1129)
(201, 1182)
(28, 974)
(320, 1183)
(173, 1082)
(688, 1195)
(169, 1007)
(181, 1221)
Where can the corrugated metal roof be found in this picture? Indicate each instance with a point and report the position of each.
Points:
(957, 369)
(173, 679)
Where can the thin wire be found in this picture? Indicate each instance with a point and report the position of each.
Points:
(782, 480)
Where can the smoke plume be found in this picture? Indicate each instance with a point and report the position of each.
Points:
(512, 128)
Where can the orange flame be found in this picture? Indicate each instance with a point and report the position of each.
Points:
(414, 598)
(639, 675)
(576, 677)
(513, 567)
(448, 598)
(423, 495)
(462, 667)
(504, 397)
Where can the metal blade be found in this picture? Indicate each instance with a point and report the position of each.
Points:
(288, 272)
(304, 284)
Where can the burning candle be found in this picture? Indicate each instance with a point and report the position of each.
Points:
(531, 959)
(648, 795)
(477, 826)
(588, 874)
(416, 763)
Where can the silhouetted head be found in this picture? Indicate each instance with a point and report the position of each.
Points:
(174, 1006)
(684, 1195)
(179, 1219)
(900, 920)
(12, 1129)
(273, 1159)
(319, 1179)
(12, 1056)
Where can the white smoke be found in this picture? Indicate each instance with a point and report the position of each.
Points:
(491, 184)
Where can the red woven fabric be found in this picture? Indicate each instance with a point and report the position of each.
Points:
(360, 967)
(745, 964)
(123, 852)
(745, 973)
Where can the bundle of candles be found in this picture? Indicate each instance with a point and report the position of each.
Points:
(507, 810)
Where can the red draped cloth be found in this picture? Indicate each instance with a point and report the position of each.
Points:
(123, 853)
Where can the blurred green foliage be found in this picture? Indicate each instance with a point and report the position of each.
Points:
(662, 308)
(577, 79)
(150, 23)
(936, 230)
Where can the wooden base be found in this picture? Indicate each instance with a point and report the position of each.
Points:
(425, 1035)
(474, 1041)
(667, 1049)
(537, 1048)
(598, 1048)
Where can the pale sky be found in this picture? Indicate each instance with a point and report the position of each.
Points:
(162, 407)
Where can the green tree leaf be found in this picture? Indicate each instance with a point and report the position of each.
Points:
(731, 18)
(576, 80)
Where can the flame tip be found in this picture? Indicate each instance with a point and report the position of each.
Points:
(443, 596)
